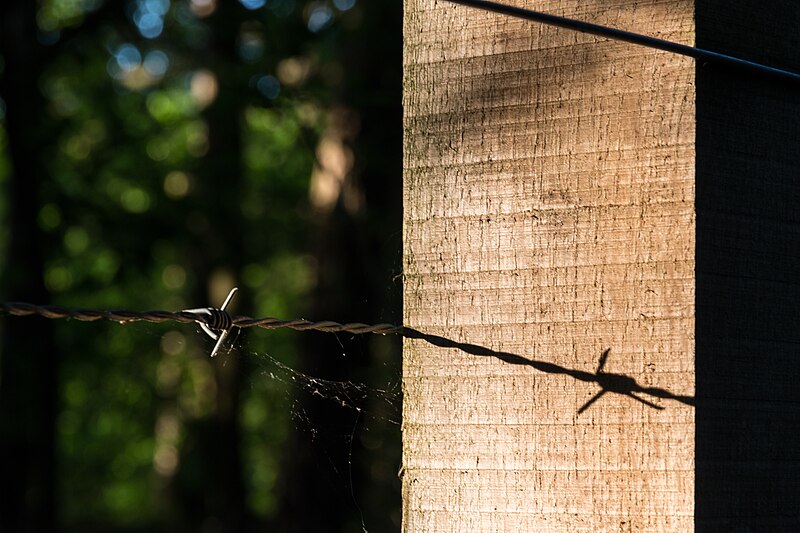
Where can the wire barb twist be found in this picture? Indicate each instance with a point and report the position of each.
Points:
(219, 319)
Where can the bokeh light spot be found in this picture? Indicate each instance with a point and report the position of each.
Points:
(150, 25)
(149, 17)
(177, 184)
(135, 200)
(158, 7)
(168, 375)
(319, 17)
(203, 8)
(76, 240)
(251, 42)
(203, 87)
(156, 63)
(253, 4)
(344, 5)
(58, 279)
(173, 342)
(197, 138)
(294, 71)
(128, 56)
(173, 276)
(49, 217)
(157, 149)
(165, 460)
(269, 86)
(105, 266)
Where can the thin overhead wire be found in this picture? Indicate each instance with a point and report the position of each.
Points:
(621, 35)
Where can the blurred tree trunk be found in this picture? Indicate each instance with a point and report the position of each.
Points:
(549, 213)
(29, 360)
(357, 247)
(216, 258)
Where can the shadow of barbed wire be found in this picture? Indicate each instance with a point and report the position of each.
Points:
(607, 381)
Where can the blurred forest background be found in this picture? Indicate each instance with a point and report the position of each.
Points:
(154, 154)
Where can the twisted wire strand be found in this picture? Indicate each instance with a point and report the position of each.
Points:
(187, 317)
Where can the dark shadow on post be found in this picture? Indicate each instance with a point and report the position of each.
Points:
(747, 305)
(748, 274)
(608, 382)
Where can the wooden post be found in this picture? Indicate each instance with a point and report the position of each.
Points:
(572, 238)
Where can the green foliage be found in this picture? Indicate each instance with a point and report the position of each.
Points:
(178, 158)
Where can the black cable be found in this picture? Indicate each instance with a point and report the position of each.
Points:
(630, 37)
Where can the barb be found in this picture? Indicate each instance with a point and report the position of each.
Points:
(630, 37)
(189, 317)
(618, 383)
(219, 324)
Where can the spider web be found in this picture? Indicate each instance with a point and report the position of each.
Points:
(384, 403)
(338, 442)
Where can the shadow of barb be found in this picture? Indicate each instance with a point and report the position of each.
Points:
(608, 382)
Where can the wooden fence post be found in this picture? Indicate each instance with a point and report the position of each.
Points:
(588, 231)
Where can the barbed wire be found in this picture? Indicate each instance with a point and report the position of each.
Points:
(218, 323)
(210, 317)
